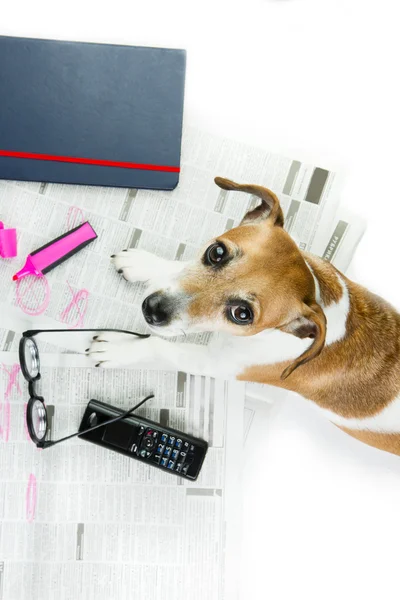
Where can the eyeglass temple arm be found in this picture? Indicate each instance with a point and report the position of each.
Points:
(32, 332)
(50, 443)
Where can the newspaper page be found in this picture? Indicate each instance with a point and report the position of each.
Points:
(339, 244)
(77, 520)
(57, 541)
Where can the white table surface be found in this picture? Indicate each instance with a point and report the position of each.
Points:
(317, 77)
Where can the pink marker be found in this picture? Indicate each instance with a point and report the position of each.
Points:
(8, 242)
(54, 253)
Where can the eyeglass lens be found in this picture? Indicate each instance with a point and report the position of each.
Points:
(38, 419)
(31, 356)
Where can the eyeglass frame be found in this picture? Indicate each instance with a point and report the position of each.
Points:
(28, 335)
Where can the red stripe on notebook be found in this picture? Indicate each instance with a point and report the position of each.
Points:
(89, 161)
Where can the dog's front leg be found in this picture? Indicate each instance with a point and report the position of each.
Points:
(139, 265)
(113, 350)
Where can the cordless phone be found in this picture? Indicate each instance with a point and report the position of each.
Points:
(147, 441)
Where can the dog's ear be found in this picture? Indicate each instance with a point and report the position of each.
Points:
(268, 209)
(310, 324)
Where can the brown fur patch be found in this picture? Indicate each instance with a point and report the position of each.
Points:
(330, 287)
(390, 442)
(355, 377)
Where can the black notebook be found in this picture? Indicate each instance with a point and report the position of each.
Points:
(94, 114)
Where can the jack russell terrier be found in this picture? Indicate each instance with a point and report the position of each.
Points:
(283, 317)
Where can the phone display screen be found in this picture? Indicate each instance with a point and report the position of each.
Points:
(121, 434)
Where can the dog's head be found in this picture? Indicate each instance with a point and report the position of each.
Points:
(249, 279)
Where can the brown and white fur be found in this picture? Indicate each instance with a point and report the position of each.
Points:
(313, 331)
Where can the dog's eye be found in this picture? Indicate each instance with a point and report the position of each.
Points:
(215, 254)
(240, 314)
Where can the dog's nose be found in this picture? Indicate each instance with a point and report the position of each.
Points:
(154, 309)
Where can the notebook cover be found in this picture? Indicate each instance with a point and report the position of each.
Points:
(93, 114)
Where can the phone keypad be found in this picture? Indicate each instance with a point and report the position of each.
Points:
(168, 451)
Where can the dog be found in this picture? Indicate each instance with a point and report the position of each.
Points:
(282, 317)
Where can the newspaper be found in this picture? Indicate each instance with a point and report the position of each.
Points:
(76, 519)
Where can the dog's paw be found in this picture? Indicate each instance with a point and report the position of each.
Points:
(111, 350)
(137, 265)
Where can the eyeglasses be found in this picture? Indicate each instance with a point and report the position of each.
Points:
(36, 412)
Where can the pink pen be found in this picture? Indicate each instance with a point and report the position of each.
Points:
(54, 253)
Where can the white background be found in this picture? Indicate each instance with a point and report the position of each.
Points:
(322, 511)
